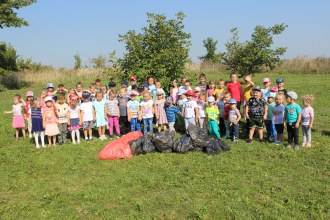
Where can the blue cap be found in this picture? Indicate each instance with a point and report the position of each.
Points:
(211, 99)
(146, 85)
(232, 101)
(279, 80)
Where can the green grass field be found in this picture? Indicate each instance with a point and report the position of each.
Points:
(249, 182)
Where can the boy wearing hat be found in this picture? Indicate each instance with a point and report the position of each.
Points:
(122, 102)
(133, 111)
(256, 111)
(171, 111)
(234, 116)
(280, 86)
(270, 127)
(190, 110)
(292, 117)
(132, 80)
(212, 116)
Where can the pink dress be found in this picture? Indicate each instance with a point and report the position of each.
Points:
(162, 119)
(18, 120)
(174, 94)
(50, 121)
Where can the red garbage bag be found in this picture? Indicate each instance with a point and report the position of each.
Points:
(131, 136)
(115, 151)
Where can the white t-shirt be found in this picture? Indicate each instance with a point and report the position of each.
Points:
(146, 108)
(278, 119)
(87, 107)
(189, 109)
(74, 112)
(201, 109)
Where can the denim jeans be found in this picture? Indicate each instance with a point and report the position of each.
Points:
(271, 131)
(135, 124)
(147, 123)
(234, 131)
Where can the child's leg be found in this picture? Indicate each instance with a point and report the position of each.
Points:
(236, 131)
(42, 137)
(23, 132)
(110, 121)
(85, 134)
(90, 131)
(261, 133)
(295, 134)
(49, 140)
(290, 133)
(304, 132)
(73, 134)
(60, 128)
(227, 124)
(54, 140)
(16, 133)
(251, 133)
(145, 126)
(274, 131)
(99, 129)
(159, 127)
(165, 127)
(247, 126)
(103, 130)
(116, 124)
(36, 138)
(133, 122)
(215, 129)
(64, 132)
(268, 124)
(138, 125)
(29, 126)
(171, 126)
(150, 125)
(309, 135)
(78, 136)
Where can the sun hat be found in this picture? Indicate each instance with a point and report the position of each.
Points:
(211, 99)
(133, 93)
(29, 93)
(74, 98)
(50, 85)
(190, 93)
(279, 80)
(48, 98)
(232, 101)
(197, 89)
(293, 95)
(256, 88)
(272, 95)
(266, 80)
(182, 91)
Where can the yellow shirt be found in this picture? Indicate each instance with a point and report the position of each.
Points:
(216, 91)
(247, 92)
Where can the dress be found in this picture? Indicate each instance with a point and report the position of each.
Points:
(18, 120)
(99, 112)
(36, 118)
(51, 122)
(162, 119)
(74, 118)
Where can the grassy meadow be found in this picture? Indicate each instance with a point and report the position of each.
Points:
(257, 181)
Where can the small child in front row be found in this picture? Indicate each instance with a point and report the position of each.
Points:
(278, 118)
(112, 113)
(99, 106)
(190, 111)
(160, 112)
(133, 112)
(221, 106)
(37, 123)
(171, 112)
(234, 116)
(307, 114)
(88, 115)
(226, 98)
(27, 111)
(212, 115)
(74, 119)
(18, 120)
(147, 112)
(292, 116)
(201, 109)
(270, 127)
(62, 109)
(50, 121)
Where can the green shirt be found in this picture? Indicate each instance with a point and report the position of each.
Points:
(212, 113)
(292, 112)
(270, 110)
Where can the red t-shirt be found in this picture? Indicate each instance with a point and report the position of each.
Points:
(235, 90)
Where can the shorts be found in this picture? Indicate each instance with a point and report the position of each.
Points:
(256, 122)
(279, 128)
(88, 124)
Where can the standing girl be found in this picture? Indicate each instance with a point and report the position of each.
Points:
(201, 108)
(160, 112)
(37, 123)
(88, 115)
(174, 91)
(307, 114)
(27, 111)
(50, 121)
(212, 113)
(99, 105)
(18, 120)
(211, 89)
(112, 113)
(278, 118)
(74, 122)
(146, 112)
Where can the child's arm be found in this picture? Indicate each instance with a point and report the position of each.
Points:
(298, 121)
(106, 112)
(311, 122)
(129, 114)
(81, 116)
(94, 115)
(284, 118)
(182, 112)
(140, 113)
(238, 118)
(247, 111)
(197, 114)
(68, 117)
(265, 112)
(43, 119)
(156, 111)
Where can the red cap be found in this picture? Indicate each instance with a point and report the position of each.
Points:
(190, 92)
(132, 78)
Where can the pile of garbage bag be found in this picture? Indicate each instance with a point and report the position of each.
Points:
(134, 143)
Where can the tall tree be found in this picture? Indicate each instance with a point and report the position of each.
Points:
(8, 15)
(160, 50)
(210, 46)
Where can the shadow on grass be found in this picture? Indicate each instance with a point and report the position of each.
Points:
(325, 133)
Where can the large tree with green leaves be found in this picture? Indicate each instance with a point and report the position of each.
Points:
(8, 15)
(8, 57)
(211, 47)
(249, 57)
(161, 49)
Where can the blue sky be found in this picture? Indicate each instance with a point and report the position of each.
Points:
(59, 29)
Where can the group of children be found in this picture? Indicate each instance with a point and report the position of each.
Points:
(216, 108)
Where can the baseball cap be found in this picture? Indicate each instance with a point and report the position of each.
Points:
(112, 84)
(85, 94)
(48, 98)
(190, 92)
(232, 101)
(146, 85)
(132, 78)
(29, 93)
(293, 95)
(197, 89)
(266, 80)
(133, 93)
(211, 99)
(169, 100)
(256, 88)
(272, 95)
(50, 85)
(279, 80)
(124, 83)
(182, 91)
(274, 89)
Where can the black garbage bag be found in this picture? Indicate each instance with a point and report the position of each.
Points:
(136, 146)
(182, 145)
(213, 147)
(147, 145)
(224, 145)
(163, 141)
(198, 135)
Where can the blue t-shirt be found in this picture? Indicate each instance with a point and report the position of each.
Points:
(134, 108)
(221, 107)
(170, 113)
(292, 112)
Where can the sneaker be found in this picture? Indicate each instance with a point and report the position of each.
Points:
(119, 135)
(296, 147)
(308, 145)
(304, 144)
(73, 142)
(86, 139)
(249, 141)
(288, 146)
(262, 141)
(101, 138)
(111, 136)
(37, 146)
(44, 146)
(104, 137)
(30, 135)
(235, 140)
(78, 142)
(90, 138)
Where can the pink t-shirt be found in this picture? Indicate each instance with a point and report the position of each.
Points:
(235, 90)
(210, 92)
(49, 115)
(306, 114)
(174, 94)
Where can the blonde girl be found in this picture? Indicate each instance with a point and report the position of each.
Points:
(211, 89)
(201, 103)
(307, 121)
(99, 105)
(37, 123)
(161, 119)
(18, 120)
(27, 111)
(50, 121)
(74, 122)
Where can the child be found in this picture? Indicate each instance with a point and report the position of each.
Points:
(234, 117)
(212, 115)
(133, 81)
(179, 119)
(171, 111)
(266, 90)
(60, 89)
(202, 83)
(174, 91)
(151, 83)
(79, 90)
(37, 123)
(226, 98)
(18, 120)
(256, 111)
(201, 103)
(182, 87)
(247, 92)
(88, 115)
(307, 114)
(123, 121)
(50, 90)
(27, 111)
(112, 113)
(187, 85)
(74, 122)
(62, 109)
(211, 89)
(235, 89)
(146, 112)
(190, 110)
(98, 86)
(133, 112)
(278, 118)
(221, 106)
(271, 131)
(197, 92)
(280, 87)
(92, 91)
(292, 116)
(158, 88)
(221, 87)
(161, 119)
(112, 87)
(99, 108)
(50, 121)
